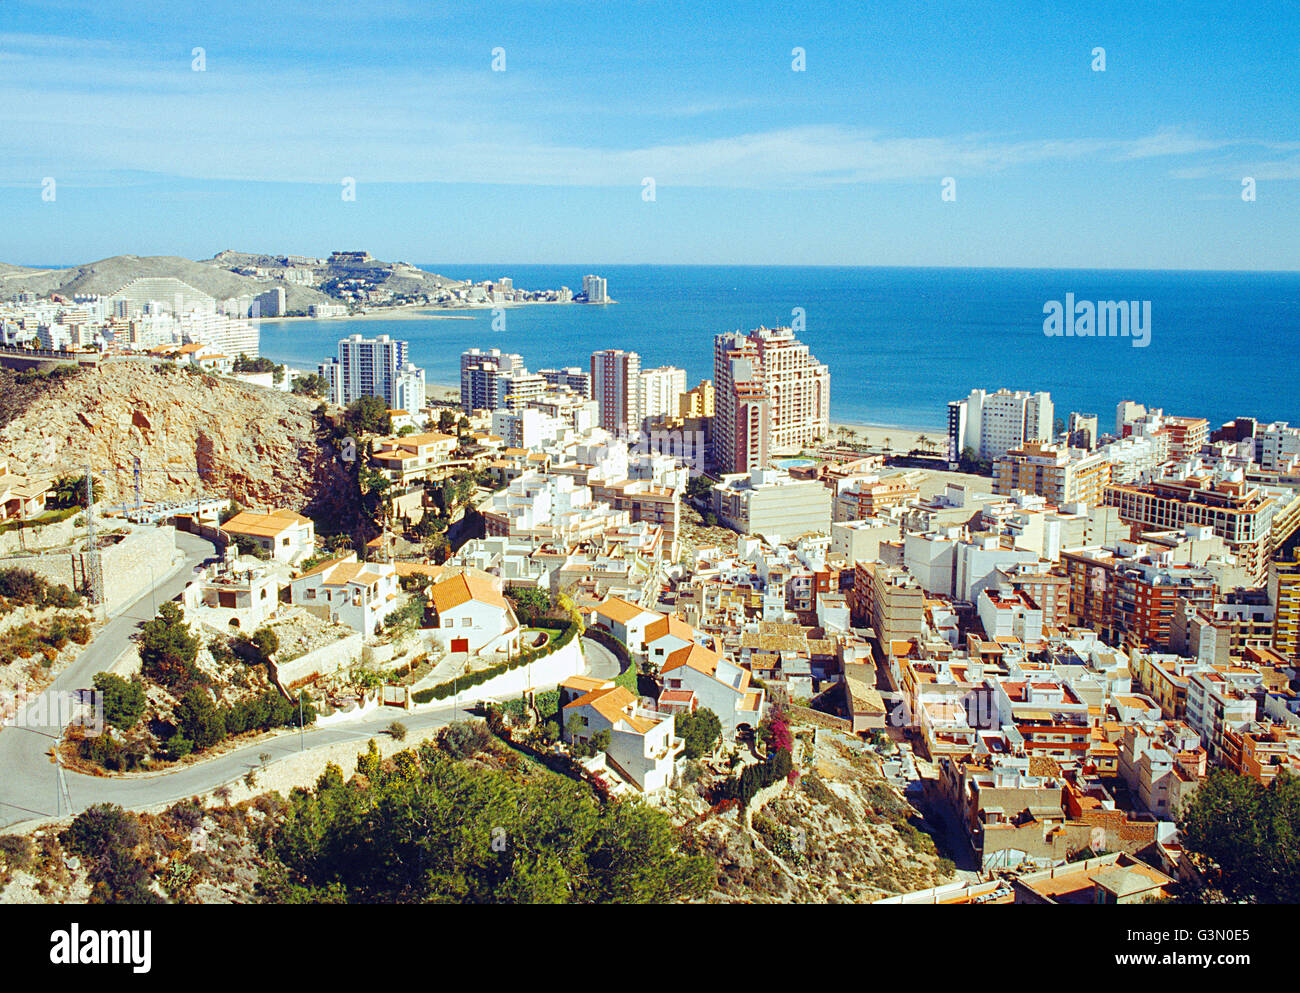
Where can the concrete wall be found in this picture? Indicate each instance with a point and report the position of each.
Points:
(547, 672)
(321, 661)
(137, 561)
(58, 535)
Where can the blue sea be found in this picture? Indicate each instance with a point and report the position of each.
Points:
(900, 342)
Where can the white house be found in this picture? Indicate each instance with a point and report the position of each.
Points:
(284, 535)
(474, 617)
(626, 621)
(358, 594)
(642, 743)
(718, 685)
(665, 636)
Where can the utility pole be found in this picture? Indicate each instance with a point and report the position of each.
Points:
(96, 577)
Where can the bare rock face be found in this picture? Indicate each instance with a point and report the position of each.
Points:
(193, 434)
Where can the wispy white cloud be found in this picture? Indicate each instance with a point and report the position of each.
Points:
(90, 108)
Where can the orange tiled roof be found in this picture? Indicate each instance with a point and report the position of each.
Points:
(459, 589)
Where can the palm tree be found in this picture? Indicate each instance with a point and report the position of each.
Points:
(923, 443)
(889, 444)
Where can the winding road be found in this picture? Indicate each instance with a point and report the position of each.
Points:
(28, 784)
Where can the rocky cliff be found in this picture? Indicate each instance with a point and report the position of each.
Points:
(192, 433)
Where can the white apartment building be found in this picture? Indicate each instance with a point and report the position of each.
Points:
(372, 367)
(770, 503)
(1009, 615)
(479, 377)
(595, 289)
(660, 389)
(528, 428)
(993, 423)
(1219, 700)
(953, 565)
(1277, 447)
(1136, 457)
(408, 388)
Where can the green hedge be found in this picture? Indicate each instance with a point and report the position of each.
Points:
(569, 631)
(627, 676)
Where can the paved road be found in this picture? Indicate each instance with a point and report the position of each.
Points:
(601, 662)
(28, 786)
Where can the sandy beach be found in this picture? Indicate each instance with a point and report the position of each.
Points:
(893, 437)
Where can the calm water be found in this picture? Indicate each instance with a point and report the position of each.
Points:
(900, 343)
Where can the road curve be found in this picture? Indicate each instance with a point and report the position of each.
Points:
(27, 773)
(28, 788)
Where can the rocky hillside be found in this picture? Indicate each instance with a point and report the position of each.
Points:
(107, 276)
(840, 834)
(260, 447)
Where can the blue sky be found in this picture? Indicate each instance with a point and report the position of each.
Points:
(1056, 165)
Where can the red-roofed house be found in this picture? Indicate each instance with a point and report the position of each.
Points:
(718, 685)
(626, 621)
(642, 744)
(474, 617)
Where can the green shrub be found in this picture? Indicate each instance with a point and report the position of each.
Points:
(123, 700)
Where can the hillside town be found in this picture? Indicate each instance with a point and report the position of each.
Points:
(1042, 639)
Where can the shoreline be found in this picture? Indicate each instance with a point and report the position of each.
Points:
(424, 311)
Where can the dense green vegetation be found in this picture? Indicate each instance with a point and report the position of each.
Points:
(105, 837)
(529, 604)
(700, 732)
(200, 723)
(70, 492)
(65, 370)
(1246, 837)
(168, 649)
(427, 828)
(24, 587)
(123, 699)
(310, 384)
(368, 415)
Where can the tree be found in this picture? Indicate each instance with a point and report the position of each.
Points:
(266, 641)
(446, 422)
(168, 648)
(700, 732)
(425, 827)
(398, 731)
(106, 837)
(529, 604)
(247, 545)
(699, 487)
(368, 415)
(123, 700)
(70, 491)
(310, 384)
(1247, 836)
(199, 719)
